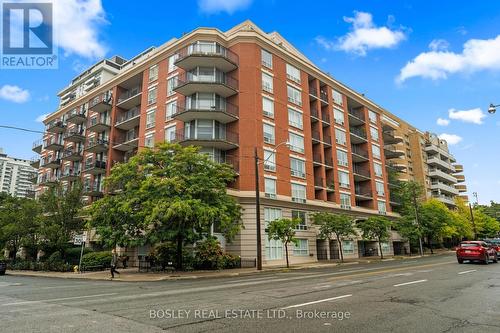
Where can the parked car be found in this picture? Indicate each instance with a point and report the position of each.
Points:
(3, 267)
(476, 251)
(495, 243)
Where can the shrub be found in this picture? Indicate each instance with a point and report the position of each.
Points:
(209, 254)
(55, 257)
(73, 254)
(102, 258)
(231, 261)
(164, 253)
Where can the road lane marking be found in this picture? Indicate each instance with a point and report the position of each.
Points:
(57, 299)
(465, 272)
(315, 302)
(407, 283)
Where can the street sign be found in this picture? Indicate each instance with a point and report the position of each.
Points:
(79, 239)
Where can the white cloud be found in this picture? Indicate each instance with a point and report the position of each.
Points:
(477, 54)
(365, 35)
(41, 117)
(438, 45)
(228, 6)
(474, 116)
(14, 94)
(442, 122)
(452, 139)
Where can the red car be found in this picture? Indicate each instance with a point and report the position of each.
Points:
(476, 250)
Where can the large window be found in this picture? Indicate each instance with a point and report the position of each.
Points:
(171, 62)
(170, 133)
(152, 95)
(292, 73)
(296, 142)
(267, 59)
(295, 118)
(342, 158)
(269, 160)
(170, 110)
(340, 137)
(170, 85)
(298, 193)
(149, 140)
(268, 107)
(151, 118)
(337, 97)
(302, 217)
(374, 133)
(270, 187)
(153, 73)
(380, 188)
(267, 83)
(301, 248)
(373, 116)
(377, 168)
(268, 133)
(348, 247)
(344, 179)
(297, 167)
(339, 116)
(376, 151)
(345, 200)
(274, 248)
(294, 95)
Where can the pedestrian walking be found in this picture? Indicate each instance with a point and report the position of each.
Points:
(114, 263)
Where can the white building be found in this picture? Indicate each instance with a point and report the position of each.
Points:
(16, 176)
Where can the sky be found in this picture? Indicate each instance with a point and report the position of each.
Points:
(435, 64)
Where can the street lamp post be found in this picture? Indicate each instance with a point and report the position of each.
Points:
(492, 108)
(472, 215)
(257, 203)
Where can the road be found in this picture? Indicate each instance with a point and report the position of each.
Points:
(431, 294)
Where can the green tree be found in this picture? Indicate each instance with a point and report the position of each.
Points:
(435, 218)
(376, 227)
(485, 225)
(169, 193)
(332, 225)
(284, 231)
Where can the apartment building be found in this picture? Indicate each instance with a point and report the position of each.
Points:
(231, 92)
(16, 176)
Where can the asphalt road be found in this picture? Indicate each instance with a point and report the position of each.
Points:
(432, 294)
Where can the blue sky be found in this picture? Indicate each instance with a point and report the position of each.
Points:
(422, 60)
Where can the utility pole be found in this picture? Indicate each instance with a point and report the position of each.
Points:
(257, 212)
(472, 220)
(418, 222)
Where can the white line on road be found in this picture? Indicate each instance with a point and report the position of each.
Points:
(56, 299)
(465, 272)
(314, 302)
(407, 283)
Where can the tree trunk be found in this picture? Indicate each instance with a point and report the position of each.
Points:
(180, 240)
(380, 249)
(340, 249)
(429, 239)
(286, 253)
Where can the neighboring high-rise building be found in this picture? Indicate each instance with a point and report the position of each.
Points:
(16, 176)
(231, 92)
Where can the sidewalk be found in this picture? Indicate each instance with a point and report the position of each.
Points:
(133, 275)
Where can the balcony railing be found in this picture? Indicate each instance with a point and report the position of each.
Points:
(76, 116)
(358, 132)
(57, 126)
(188, 83)
(357, 114)
(129, 93)
(218, 55)
(94, 188)
(361, 171)
(224, 112)
(126, 116)
(72, 154)
(97, 145)
(94, 164)
(222, 140)
(37, 146)
(358, 151)
(100, 103)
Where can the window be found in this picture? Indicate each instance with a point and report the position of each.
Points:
(268, 107)
(294, 95)
(298, 193)
(348, 247)
(267, 83)
(292, 73)
(386, 247)
(296, 142)
(149, 140)
(345, 201)
(381, 207)
(340, 137)
(380, 188)
(274, 248)
(337, 97)
(374, 133)
(339, 116)
(171, 62)
(267, 59)
(342, 158)
(376, 151)
(297, 167)
(170, 134)
(150, 118)
(269, 160)
(302, 216)
(152, 95)
(344, 179)
(373, 116)
(377, 168)
(270, 187)
(268, 133)
(295, 118)
(170, 85)
(171, 108)
(153, 73)
(301, 248)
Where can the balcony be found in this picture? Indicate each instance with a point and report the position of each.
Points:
(436, 173)
(393, 151)
(52, 163)
(358, 154)
(363, 194)
(460, 178)
(207, 55)
(128, 143)
(314, 115)
(101, 103)
(93, 189)
(70, 175)
(130, 98)
(74, 136)
(46, 180)
(95, 167)
(461, 188)
(35, 162)
(53, 144)
(356, 117)
(436, 161)
(223, 113)
(72, 155)
(445, 199)
(443, 187)
(129, 120)
(77, 117)
(396, 166)
(390, 138)
(357, 135)
(217, 82)
(360, 174)
(97, 145)
(223, 141)
(56, 127)
(37, 146)
(459, 168)
(98, 124)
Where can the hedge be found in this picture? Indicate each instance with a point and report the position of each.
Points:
(102, 258)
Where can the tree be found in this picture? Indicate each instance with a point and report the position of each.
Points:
(435, 217)
(485, 225)
(284, 231)
(169, 193)
(376, 227)
(334, 225)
